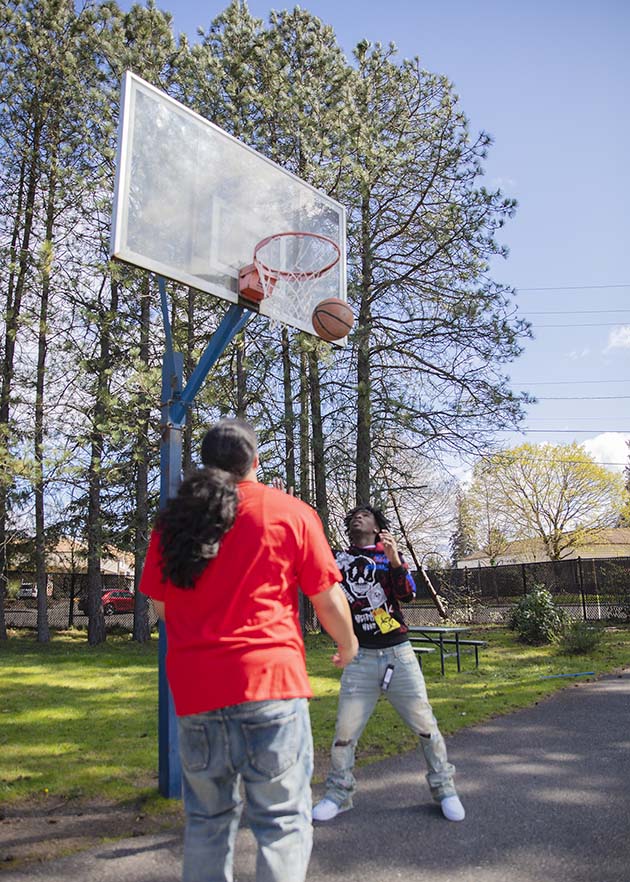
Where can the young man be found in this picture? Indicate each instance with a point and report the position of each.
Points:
(375, 582)
(223, 569)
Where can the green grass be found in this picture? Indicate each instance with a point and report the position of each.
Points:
(77, 720)
(80, 721)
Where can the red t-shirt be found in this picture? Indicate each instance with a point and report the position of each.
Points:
(236, 635)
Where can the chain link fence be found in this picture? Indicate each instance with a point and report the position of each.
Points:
(65, 608)
(590, 589)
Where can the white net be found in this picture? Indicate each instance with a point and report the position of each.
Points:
(291, 264)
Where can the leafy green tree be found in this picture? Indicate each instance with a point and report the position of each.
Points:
(624, 518)
(462, 541)
(433, 329)
(555, 493)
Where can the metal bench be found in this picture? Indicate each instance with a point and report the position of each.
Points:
(475, 644)
(420, 651)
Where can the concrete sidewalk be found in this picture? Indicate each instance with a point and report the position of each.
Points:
(546, 789)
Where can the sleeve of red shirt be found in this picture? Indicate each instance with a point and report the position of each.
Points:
(151, 580)
(318, 570)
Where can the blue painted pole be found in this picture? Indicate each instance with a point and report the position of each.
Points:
(169, 768)
(174, 405)
(233, 321)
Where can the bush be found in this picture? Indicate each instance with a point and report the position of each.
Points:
(579, 638)
(619, 609)
(536, 617)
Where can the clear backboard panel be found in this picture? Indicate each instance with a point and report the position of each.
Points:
(191, 202)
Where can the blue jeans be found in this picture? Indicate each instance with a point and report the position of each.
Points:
(268, 746)
(360, 689)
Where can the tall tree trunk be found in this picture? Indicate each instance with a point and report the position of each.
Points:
(289, 413)
(43, 629)
(241, 379)
(305, 458)
(319, 466)
(141, 626)
(364, 414)
(19, 258)
(96, 619)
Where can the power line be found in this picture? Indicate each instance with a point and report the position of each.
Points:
(576, 287)
(572, 419)
(562, 382)
(573, 311)
(506, 454)
(566, 431)
(589, 325)
(585, 398)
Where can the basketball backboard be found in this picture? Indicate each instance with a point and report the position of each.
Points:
(191, 202)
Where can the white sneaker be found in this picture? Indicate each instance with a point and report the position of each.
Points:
(452, 809)
(326, 810)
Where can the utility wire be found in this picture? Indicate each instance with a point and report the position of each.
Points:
(565, 431)
(585, 398)
(562, 382)
(506, 455)
(572, 419)
(576, 287)
(573, 311)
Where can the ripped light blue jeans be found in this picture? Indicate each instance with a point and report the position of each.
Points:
(268, 746)
(361, 686)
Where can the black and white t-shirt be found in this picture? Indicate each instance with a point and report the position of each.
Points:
(374, 589)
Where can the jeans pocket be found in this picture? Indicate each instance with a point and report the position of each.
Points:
(272, 745)
(194, 748)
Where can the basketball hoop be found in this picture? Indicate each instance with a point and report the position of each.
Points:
(297, 260)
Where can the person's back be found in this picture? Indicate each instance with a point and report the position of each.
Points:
(242, 617)
(223, 569)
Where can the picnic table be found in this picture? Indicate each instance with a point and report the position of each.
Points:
(444, 636)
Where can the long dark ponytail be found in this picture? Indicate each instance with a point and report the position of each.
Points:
(193, 523)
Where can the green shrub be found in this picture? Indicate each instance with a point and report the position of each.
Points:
(619, 609)
(580, 638)
(536, 618)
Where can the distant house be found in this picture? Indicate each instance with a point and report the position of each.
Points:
(66, 567)
(613, 542)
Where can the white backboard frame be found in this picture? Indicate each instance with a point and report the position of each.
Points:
(191, 202)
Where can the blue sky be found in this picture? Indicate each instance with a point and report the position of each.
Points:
(549, 80)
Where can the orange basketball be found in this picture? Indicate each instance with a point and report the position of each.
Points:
(332, 319)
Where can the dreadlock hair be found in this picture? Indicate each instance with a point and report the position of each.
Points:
(381, 521)
(193, 523)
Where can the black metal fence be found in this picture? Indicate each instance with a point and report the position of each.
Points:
(63, 605)
(586, 588)
(589, 589)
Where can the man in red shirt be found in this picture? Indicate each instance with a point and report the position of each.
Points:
(223, 568)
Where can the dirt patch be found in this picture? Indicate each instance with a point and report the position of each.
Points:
(41, 830)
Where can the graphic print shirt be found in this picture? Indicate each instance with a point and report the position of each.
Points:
(374, 589)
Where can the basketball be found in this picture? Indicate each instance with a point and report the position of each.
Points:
(332, 319)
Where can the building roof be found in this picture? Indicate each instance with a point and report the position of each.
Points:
(534, 548)
(70, 556)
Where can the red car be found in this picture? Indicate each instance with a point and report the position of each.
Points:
(114, 600)
(118, 600)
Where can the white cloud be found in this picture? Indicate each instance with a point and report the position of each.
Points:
(575, 354)
(610, 447)
(619, 338)
(504, 183)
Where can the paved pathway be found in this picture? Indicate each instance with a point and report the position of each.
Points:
(547, 793)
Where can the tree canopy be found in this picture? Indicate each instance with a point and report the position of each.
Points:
(554, 493)
(81, 343)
